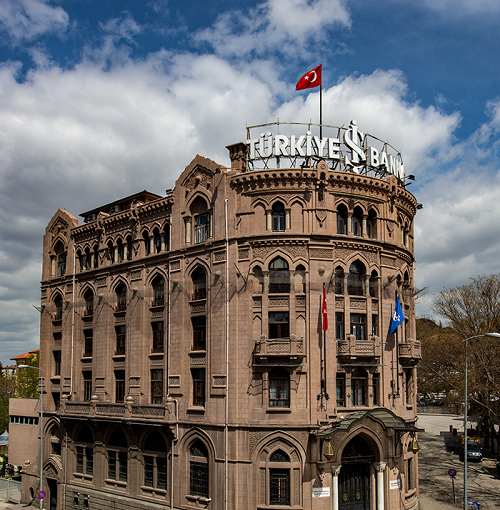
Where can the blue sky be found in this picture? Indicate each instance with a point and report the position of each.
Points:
(100, 99)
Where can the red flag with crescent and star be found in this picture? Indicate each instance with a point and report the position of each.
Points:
(324, 311)
(310, 80)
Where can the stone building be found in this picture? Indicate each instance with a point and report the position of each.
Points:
(183, 345)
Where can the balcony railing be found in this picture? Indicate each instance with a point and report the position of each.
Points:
(359, 348)
(410, 351)
(267, 349)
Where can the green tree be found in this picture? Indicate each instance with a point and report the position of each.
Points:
(6, 392)
(27, 379)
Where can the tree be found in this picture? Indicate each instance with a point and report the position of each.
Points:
(473, 310)
(27, 379)
(6, 392)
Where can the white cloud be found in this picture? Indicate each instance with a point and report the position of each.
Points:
(274, 25)
(27, 19)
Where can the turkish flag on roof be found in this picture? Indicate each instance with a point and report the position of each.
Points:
(310, 80)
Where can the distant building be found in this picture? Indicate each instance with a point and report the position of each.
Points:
(184, 353)
(23, 358)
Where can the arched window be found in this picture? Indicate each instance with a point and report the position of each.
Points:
(341, 219)
(85, 451)
(371, 224)
(89, 303)
(202, 227)
(279, 277)
(121, 297)
(147, 244)
(158, 291)
(129, 248)
(58, 303)
(155, 461)
(259, 279)
(61, 259)
(278, 217)
(80, 258)
(157, 240)
(355, 279)
(111, 252)
(279, 388)
(339, 280)
(117, 456)
(86, 263)
(300, 279)
(121, 250)
(55, 441)
(198, 469)
(373, 284)
(95, 264)
(356, 221)
(359, 385)
(279, 478)
(200, 284)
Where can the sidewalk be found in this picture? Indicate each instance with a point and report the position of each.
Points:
(7, 505)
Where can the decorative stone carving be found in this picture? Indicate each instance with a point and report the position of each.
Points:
(320, 253)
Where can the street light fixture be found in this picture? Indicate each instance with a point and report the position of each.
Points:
(41, 426)
(487, 335)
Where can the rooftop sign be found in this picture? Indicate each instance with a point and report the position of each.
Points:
(349, 149)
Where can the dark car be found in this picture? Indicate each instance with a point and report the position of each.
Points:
(473, 452)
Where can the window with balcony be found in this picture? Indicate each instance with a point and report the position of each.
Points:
(355, 279)
(278, 217)
(156, 386)
(199, 278)
(119, 385)
(358, 326)
(120, 332)
(198, 470)
(117, 452)
(359, 385)
(279, 276)
(279, 388)
(199, 333)
(198, 376)
(88, 335)
(158, 291)
(87, 385)
(155, 461)
(158, 337)
(279, 325)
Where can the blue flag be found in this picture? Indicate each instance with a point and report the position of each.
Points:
(397, 318)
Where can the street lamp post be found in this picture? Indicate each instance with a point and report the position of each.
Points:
(41, 426)
(488, 335)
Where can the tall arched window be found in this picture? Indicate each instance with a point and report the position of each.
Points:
(342, 219)
(117, 450)
(61, 259)
(129, 248)
(373, 284)
(356, 221)
(279, 479)
(85, 451)
(339, 280)
(371, 224)
(111, 252)
(158, 291)
(355, 279)
(95, 262)
(198, 469)
(202, 227)
(279, 388)
(279, 276)
(121, 297)
(89, 303)
(199, 283)
(278, 217)
(359, 385)
(157, 240)
(155, 461)
(121, 250)
(58, 303)
(147, 244)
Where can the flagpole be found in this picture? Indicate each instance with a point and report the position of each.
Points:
(321, 108)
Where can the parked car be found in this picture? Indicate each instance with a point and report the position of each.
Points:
(473, 452)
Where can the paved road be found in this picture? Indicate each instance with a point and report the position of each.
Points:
(436, 457)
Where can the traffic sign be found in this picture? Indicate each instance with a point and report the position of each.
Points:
(41, 494)
(452, 472)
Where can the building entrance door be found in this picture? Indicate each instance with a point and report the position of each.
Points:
(52, 493)
(354, 487)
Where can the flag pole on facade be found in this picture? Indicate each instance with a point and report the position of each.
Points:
(398, 316)
(324, 313)
(308, 81)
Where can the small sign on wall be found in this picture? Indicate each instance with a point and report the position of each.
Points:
(395, 484)
(321, 492)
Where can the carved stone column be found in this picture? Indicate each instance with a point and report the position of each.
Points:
(335, 487)
(380, 468)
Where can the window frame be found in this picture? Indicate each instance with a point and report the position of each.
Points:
(279, 388)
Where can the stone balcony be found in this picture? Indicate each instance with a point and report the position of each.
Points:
(352, 348)
(127, 411)
(410, 351)
(290, 350)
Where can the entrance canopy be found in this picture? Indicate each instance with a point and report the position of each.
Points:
(387, 418)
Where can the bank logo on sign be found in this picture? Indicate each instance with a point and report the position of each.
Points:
(351, 138)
